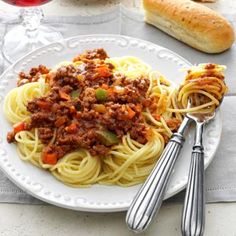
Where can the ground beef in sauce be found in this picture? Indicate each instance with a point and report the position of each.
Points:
(87, 102)
(99, 53)
(34, 74)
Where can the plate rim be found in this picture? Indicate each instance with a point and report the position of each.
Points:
(98, 208)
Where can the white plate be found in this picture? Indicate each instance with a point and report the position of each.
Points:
(98, 198)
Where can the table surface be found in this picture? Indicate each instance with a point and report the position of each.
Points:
(19, 219)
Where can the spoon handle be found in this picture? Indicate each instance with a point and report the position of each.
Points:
(193, 218)
(150, 196)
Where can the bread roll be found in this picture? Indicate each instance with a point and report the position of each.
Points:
(190, 22)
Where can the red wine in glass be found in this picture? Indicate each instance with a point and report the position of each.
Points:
(26, 3)
(30, 34)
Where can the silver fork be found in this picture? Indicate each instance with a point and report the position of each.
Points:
(149, 198)
(193, 218)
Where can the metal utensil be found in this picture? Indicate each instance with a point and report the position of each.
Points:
(193, 218)
(149, 198)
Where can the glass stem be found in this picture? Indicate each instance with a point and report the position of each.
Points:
(31, 19)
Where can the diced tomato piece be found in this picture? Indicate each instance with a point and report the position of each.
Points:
(131, 113)
(77, 115)
(103, 71)
(128, 113)
(72, 128)
(157, 117)
(139, 108)
(50, 158)
(72, 109)
(43, 104)
(19, 127)
(104, 86)
(60, 121)
(64, 95)
(110, 90)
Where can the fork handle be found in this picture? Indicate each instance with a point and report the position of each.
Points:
(194, 212)
(149, 198)
(193, 218)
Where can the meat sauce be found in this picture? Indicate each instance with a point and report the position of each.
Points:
(88, 106)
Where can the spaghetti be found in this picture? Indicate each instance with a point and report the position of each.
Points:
(102, 120)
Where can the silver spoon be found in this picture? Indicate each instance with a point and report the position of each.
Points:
(193, 219)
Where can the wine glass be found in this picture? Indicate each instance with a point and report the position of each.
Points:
(30, 34)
